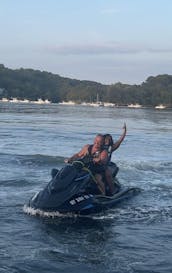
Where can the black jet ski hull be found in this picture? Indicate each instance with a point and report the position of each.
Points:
(99, 203)
(71, 190)
(86, 204)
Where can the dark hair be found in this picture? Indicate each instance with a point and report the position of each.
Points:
(110, 139)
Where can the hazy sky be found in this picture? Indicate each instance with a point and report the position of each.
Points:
(101, 40)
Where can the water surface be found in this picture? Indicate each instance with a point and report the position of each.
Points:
(133, 237)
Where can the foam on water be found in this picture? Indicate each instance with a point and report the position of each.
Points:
(49, 214)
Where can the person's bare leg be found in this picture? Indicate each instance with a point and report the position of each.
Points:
(100, 183)
(109, 180)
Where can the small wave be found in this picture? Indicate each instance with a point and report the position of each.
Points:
(139, 214)
(14, 182)
(166, 188)
(39, 159)
(35, 159)
(153, 166)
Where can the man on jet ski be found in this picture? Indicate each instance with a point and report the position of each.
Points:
(99, 158)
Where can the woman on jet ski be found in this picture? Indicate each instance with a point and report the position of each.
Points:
(111, 146)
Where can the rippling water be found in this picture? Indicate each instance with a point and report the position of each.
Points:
(133, 237)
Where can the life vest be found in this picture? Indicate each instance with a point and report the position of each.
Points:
(95, 167)
(94, 155)
(108, 148)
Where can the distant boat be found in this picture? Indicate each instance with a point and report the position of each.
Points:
(47, 101)
(41, 101)
(98, 103)
(25, 101)
(84, 103)
(14, 100)
(134, 105)
(109, 104)
(160, 106)
(4, 100)
(67, 103)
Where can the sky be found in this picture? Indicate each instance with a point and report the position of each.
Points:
(106, 41)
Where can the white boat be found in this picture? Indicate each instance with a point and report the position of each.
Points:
(109, 104)
(67, 103)
(4, 100)
(85, 104)
(134, 105)
(160, 106)
(41, 101)
(25, 101)
(15, 100)
(98, 103)
(47, 101)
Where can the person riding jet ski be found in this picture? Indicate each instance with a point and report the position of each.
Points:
(99, 158)
(101, 152)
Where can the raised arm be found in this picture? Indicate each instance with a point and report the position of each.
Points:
(120, 140)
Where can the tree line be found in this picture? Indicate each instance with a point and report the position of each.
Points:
(34, 84)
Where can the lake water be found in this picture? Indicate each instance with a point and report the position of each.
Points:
(134, 237)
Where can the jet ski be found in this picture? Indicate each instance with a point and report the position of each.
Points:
(72, 189)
